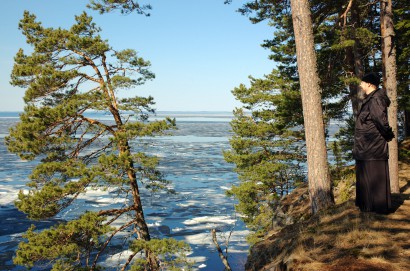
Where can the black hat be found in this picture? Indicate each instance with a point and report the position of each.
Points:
(372, 78)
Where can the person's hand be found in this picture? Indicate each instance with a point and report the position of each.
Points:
(390, 135)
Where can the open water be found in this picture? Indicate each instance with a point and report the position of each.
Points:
(191, 158)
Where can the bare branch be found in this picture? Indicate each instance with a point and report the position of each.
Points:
(92, 64)
(94, 121)
(89, 77)
(86, 143)
(90, 156)
(108, 241)
(344, 15)
(229, 236)
(221, 254)
(115, 211)
(108, 78)
(370, 3)
(129, 260)
(113, 219)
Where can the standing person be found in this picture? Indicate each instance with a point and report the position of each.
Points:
(372, 132)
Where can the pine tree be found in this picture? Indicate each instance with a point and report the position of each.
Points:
(267, 148)
(347, 43)
(69, 73)
(270, 138)
(390, 85)
(402, 28)
(320, 187)
(124, 6)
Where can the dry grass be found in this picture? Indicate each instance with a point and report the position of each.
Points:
(341, 239)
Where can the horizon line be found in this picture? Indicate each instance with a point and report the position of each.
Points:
(199, 111)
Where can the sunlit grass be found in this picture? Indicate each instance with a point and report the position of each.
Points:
(342, 238)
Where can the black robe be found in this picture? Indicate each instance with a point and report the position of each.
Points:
(372, 132)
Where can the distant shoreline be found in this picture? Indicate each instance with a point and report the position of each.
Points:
(180, 116)
(214, 114)
(188, 112)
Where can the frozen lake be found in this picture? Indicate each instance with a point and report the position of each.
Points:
(191, 158)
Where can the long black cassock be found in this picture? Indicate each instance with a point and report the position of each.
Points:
(372, 132)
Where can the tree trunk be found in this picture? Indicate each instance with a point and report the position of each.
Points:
(320, 188)
(139, 213)
(354, 59)
(390, 84)
(143, 230)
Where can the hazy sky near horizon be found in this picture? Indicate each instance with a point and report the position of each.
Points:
(199, 49)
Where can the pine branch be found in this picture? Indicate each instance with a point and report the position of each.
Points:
(129, 260)
(344, 15)
(87, 143)
(115, 211)
(109, 84)
(99, 123)
(92, 64)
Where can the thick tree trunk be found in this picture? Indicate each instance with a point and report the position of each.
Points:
(320, 189)
(390, 84)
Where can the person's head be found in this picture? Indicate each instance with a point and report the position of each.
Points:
(370, 82)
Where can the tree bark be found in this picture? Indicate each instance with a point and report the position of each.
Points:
(390, 84)
(143, 230)
(356, 62)
(320, 188)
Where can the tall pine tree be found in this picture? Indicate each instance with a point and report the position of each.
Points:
(69, 73)
(390, 85)
(401, 11)
(320, 187)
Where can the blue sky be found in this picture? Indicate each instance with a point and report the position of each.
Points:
(199, 49)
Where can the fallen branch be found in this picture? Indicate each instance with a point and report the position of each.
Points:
(221, 255)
